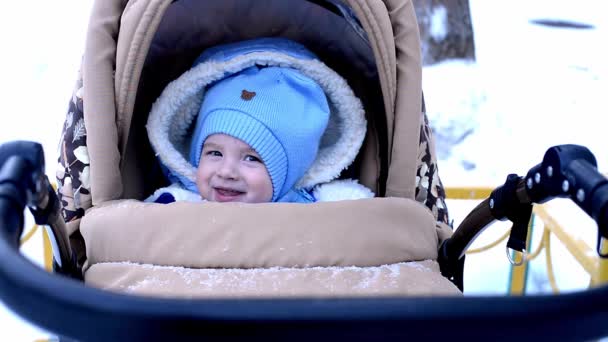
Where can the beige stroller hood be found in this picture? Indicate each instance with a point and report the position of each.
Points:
(379, 246)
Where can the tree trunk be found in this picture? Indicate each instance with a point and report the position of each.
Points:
(445, 30)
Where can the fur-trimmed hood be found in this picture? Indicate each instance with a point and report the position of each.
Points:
(174, 113)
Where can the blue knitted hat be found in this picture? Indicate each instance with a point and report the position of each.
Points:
(278, 111)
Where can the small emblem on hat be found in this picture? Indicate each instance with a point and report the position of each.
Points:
(247, 95)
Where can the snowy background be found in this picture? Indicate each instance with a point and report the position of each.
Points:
(531, 87)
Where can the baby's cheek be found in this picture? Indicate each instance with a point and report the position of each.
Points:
(200, 182)
(268, 187)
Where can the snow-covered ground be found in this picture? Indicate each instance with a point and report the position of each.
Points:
(531, 87)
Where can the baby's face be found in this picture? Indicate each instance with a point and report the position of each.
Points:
(231, 171)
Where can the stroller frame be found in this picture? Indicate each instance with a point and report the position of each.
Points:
(71, 309)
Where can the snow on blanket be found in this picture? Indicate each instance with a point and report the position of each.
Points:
(408, 278)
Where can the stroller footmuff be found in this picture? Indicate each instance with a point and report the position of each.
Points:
(263, 251)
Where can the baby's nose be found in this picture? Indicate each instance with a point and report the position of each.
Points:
(228, 170)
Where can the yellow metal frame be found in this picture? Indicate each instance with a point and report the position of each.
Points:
(596, 267)
(470, 193)
(47, 249)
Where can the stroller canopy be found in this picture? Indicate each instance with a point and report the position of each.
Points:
(134, 50)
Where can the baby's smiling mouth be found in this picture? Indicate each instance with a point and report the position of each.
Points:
(226, 194)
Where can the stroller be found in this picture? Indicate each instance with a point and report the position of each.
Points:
(383, 267)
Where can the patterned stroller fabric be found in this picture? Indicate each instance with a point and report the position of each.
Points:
(73, 174)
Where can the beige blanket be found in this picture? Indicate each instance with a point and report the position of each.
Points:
(380, 246)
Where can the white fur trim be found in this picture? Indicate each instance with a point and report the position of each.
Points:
(177, 107)
(340, 190)
(177, 192)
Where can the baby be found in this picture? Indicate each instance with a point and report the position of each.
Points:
(256, 134)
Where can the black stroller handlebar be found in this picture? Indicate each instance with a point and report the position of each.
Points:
(566, 171)
(22, 167)
(571, 171)
(72, 309)
(24, 183)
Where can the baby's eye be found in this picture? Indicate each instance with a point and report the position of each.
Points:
(213, 153)
(252, 158)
